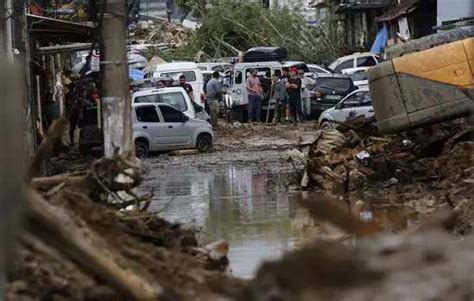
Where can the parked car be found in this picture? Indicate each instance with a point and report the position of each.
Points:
(174, 70)
(355, 104)
(174, 96)
(366, 59)
(161, 127)
(329, 89)
(359, 76)
(313, 68)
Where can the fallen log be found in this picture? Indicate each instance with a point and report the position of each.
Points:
(54, 226)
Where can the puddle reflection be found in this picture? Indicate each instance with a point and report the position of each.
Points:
(250, 208)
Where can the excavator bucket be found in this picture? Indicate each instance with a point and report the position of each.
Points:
(425, 81)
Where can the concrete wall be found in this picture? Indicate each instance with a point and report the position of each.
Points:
(454, 9)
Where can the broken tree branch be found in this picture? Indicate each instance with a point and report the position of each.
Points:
(62, 231)
(46, 147)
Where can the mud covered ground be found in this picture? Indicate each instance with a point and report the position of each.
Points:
(433, 180)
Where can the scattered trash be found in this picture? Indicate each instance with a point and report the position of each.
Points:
(363, 157)
(366, 216)
(407, 142)
(390, 182)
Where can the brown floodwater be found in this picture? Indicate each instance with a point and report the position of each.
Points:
(244, 198)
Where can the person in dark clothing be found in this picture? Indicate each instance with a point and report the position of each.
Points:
(51, 110)
(187, 87)
(75, 116)
(293, 87)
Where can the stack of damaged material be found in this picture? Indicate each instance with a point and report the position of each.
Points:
(82, 241)
(434, 163)
(149, 32)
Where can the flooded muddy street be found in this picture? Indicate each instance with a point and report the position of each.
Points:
(243, 200)
(247, 199)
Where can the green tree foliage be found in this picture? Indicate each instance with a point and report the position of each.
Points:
(228, 25)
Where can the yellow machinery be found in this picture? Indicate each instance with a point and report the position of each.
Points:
(425, 81)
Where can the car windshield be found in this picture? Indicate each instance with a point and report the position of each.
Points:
(175, 99)
(334, 83)
(334, 65)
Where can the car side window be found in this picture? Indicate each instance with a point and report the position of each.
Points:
(345, 65)
(147, 114)
(351, 101)
(238, 77)
(365, 100)
(358, 99)
(366, 61)
(170, 114)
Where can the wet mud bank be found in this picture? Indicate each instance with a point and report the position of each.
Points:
(380, 224)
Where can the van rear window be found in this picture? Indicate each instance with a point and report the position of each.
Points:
(190, 75)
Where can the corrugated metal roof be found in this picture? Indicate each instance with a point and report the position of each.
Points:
(399, 11)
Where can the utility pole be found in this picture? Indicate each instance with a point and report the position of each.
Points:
(11, 153)
(116, 106)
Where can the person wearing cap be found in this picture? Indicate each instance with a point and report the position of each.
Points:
(213, 95)
(293, 87)
(254, 91)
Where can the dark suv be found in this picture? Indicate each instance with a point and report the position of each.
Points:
(328, 90)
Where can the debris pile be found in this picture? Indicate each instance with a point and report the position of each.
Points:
(87, 236)
(423, 169)
(149, 32)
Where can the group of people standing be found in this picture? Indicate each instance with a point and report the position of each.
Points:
(289, 92)
(291, 95)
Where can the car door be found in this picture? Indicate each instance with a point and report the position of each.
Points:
(149, 123)
(177, 132)
(348, 108)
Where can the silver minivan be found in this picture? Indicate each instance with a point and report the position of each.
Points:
(161, 127)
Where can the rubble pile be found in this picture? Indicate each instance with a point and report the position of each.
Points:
(149, 32)
(424, 168)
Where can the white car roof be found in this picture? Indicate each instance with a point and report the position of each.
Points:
(178, 66)
(351, 56)
(159, 91)
(361, 89)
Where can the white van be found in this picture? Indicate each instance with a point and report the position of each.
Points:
(174, 70)
(215, 66)
(237, 92)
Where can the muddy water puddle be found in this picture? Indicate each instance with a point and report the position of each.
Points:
(244, 199)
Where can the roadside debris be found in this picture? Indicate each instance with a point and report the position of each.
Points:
(160, 32)
(78, 243)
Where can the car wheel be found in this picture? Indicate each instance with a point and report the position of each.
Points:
(326, 125)
(141, 149)
(204, 143)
